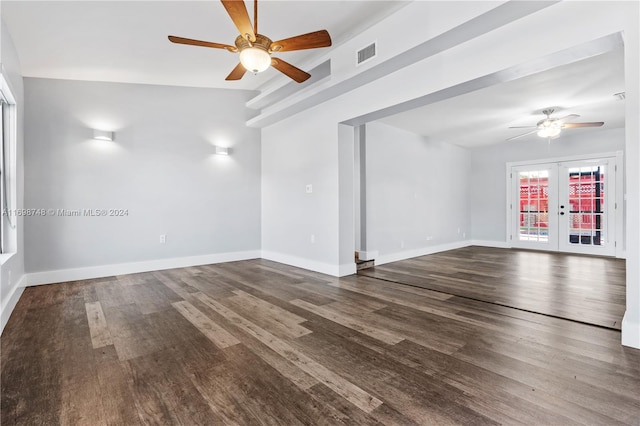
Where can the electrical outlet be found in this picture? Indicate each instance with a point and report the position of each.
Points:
(308, 188)
(163, 238)
(429, 237)
(401, 244)
(313, 239)
(464, 235)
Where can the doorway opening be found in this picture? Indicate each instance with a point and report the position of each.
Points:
(567, 205)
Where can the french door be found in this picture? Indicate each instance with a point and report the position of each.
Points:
(565, 206)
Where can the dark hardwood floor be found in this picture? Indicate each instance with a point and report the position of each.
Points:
(256, 342)
(589, 289)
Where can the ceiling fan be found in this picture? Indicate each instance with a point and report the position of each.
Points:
(551, 127)
(256, 49)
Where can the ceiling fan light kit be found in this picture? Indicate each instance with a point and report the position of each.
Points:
(254, 56)
(255, 59)
(256, 49)
(549, 128)
(549, 132)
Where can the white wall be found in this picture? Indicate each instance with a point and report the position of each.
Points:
(416, 189)
(12, 269)
(631, 320)
(161, 168)
(294, 155)
(488, 167)
(304, 145)
(347, 191)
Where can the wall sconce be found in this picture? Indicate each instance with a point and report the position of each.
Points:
(222, 150)
(102, 135)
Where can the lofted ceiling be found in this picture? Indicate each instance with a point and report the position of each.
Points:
(126, 41)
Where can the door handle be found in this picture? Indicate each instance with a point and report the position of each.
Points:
(561, 213)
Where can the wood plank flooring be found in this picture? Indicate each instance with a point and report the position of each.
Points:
(581, 288)
(256, 342)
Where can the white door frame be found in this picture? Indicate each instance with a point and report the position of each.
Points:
(619, 195)
(514, 205)
(609, 225)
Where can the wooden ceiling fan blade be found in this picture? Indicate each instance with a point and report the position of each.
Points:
(240, 17)
(524, 134)
(289, 70)
(304, 41)
(576, 125)
(237, 73)
(192, 42)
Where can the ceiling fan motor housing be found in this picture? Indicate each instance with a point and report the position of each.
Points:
(262, 42)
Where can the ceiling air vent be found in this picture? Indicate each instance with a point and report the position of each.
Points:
(366, 53)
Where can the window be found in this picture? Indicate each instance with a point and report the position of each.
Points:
(7, 169)
(2, 180)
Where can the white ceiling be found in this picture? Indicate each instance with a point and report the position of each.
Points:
(483, 117)
(126, 41)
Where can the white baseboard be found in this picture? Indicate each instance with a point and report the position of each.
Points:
(408, 254)
(10, 302)
(64, 275)
(311, 265)
(630, 331)
(347, 269)
(488, 243)
(368, 255)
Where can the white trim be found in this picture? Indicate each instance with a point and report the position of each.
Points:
(630, 332)
(408, 254)
(509, 204)
(620, 207)
(368, 255)
(618, 235)
(10, 174)
(311, 265)
(347, 269)
(563, 159)
(10, 302)
(487, 243)
(64, 275)
(5, 87)
(4, 257)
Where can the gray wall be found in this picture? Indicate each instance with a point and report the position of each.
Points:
(160, 168)
(12, 270)
(416, 189)
(488, 172)
(294, 154)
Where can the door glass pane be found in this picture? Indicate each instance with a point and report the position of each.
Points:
(586, 201)
(534, 206)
